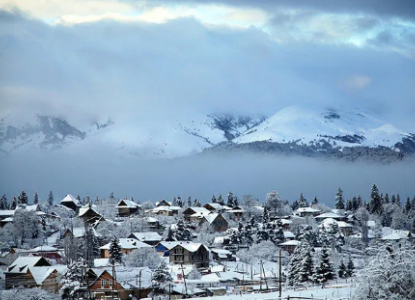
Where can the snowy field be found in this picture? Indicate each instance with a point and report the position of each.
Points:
(332, 292)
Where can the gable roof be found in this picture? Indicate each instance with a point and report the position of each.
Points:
(191, 247)
(41, 273)
(127, 203)
(22, 263)
(146, 236)
(71, 198)
(128, 243)
(212, 217)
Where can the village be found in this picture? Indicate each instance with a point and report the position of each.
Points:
(119, 249)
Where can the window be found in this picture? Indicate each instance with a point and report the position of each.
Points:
(103, 283)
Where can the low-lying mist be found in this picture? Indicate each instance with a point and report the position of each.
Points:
(200, 176)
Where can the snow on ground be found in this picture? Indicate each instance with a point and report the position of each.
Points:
(334, 292)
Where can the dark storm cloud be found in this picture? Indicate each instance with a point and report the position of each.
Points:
(403, 9)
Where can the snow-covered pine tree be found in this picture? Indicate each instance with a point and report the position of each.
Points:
(339, 199)
(302, 202)
(325, 265)
(170, 235)
(115, 250)
(179, 201)
(174, 201)
(72, 281)
(35, 199)
(349, 205)
(214, 199)
(220, 200)
(182, 233)
(161, 278)
(13, 203)
(22, 198)
(387, 200)
(350, 267)
(3, 202)
(315, 201)
(229, 203)
(265, 217)
(300, 267)
(408, 206)
(50, 198)
(342, 272)
(295, 205)
(91, 246)
(189, 201)
(375, 204)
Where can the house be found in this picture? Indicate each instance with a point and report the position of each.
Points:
(345, 228)
(127, 245)
(163, 203)
(48, 252)
(217, 222)
(163, 248)
(289, 246)
(18, 273)
(149, 237)
(89, 215)
(222, 255)
(71, 202)
(190, 253)
(125, 282)
(153, 224)
(127, 208)
(236, 213)
(195, 213)
(330, 215)
(165, 210)
(307, 212)
(216, 207)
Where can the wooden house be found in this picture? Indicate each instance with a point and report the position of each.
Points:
(128, 281)
(190, 253)
(71, 202)
(89, 215)
(127, 208)
(18, 273)
(217, 222)
(127, 245)
(149, 237)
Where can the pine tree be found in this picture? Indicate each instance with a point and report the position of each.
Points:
(214, 199)
(393, 199)
(355, 205)
(325, 265)
(50, 198)
(91, 246)
(13, 203)
(22, 198)
(179, 201)
(174, 201)
(220, 200)
(302, 202)
(189, 201)
(169, 237)
(3, 202)
(315, 201)
(342, 270)
(235, 201)
(230, 200)
(115, 250)
(387, 198)
(349, 205)
(161, 277)
(265, 216)
(375, 204)
(35, 199)
(398, 200)
(295, 205)
(300, 268)
(350, 267)
(339, 199)
(408, 206)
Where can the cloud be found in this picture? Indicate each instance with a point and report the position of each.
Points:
(357, 82)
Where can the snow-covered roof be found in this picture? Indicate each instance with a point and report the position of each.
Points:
(164, 201)
(147, 236)
(200, 210)
(128, 243)
(328, 215)
(288, 234)
(22, 263)
(290, 243)
(200, 214)
(211, 217)
(41, 273)
(394, 234)
(307, 209)
(71, 198)
(165, 208)
(43, 249)
(192, 247)
(127, 203)
(84, 209)
(6, 213)
(151, 220)
(168, 245)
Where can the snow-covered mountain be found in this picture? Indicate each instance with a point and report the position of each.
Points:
(293, 130)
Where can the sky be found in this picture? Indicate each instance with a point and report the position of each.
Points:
(142, 62)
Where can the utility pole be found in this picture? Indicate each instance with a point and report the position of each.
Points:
(280, 274)
(265, 278)
(184, 279)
